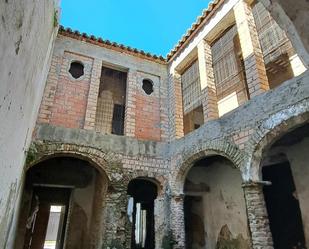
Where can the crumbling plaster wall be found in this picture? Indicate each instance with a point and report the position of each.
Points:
(223, 204)
(28, 29)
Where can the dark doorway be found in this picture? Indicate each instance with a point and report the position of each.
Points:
(57, 191)
(142, 195)
(283, 207)
(194, 224)
(47, 218)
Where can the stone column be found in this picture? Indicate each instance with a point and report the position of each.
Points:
(251, 50)
(176, 118)
(160, 221)
(257, 215)
(178, 221)
(208, 87)
(93, 95)
(129, 120)
(115, 220)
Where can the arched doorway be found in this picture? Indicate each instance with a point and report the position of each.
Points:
(61, 205)
(285, 165)
(142, 194)
(214, 206)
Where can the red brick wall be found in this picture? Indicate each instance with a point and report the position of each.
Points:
(147, 112)
(65, 99)
(66, 104)
(147, 124)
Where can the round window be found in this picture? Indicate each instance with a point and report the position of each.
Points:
(76, 69)
(147, 86)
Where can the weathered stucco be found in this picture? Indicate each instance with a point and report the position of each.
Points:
(222, 205)
(28, 30)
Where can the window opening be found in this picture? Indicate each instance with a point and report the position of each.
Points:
(111, 102)
(193, 120)
(276, 47)
(117, 124)
(147, 86)
(228, 65)
(191, 88)
(272, 38)
(76, 69)
(191, 97)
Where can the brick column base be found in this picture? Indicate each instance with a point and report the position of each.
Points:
(257, 216)
(178, 221)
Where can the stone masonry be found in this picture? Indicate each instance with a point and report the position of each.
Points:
(153, 146)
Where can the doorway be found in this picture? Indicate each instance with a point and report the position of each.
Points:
(141, 212)
(59, 191)
(283, 207)
(47, 218)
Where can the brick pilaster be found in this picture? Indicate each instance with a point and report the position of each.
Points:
(178, 221)
(208, 87)
(45, 111)
(129, 120)
(176, 110)
(257, 216)
(251, 50)
(93, 95)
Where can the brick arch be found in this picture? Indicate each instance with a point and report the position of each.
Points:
(220, 148)
(157, 178)
(101, 161)
(268, 132)
(42, 151)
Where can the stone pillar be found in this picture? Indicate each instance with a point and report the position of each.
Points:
(115, 220)
(160, 221)
(257, 216)
(178, 221)
(129, 119)
(176, 110)
(251, 50)
(93, 95)
(208, 87)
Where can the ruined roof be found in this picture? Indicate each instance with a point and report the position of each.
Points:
(108, 44)
(141, 53)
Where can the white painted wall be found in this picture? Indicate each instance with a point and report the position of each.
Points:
(27, 29)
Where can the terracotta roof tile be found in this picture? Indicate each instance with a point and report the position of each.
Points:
(108, 44)
(134, 51)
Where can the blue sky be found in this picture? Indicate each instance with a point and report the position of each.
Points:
(152, 25)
